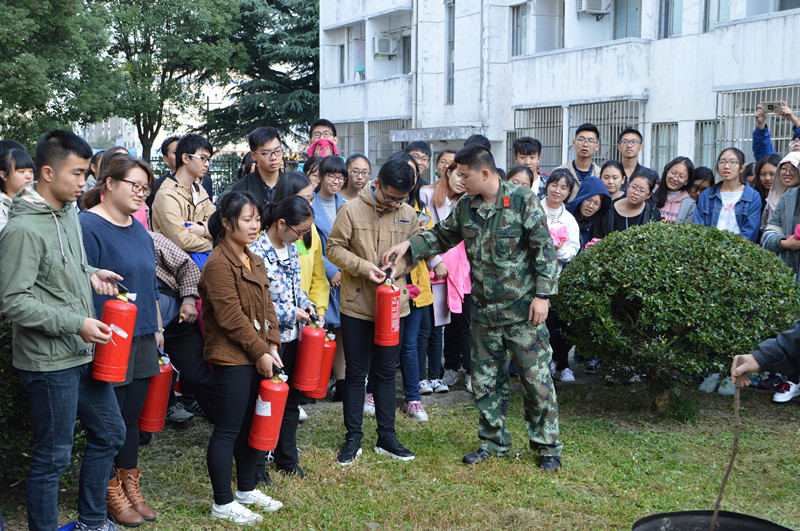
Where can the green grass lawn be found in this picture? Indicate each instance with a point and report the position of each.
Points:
(621, 463)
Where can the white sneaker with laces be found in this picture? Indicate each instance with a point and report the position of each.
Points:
(786, 391)
(567, 375)
(439, 386)
(303, 415)
(450, 377)
(425, 387)
(369, 405)
(468, 383)
(236, 513)
(257, 498)
(416, 411)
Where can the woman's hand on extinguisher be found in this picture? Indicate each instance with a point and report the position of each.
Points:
(102, 282)
(376, 275)
(94, 331)
(264, 365)
(302, 315)
(160, 340)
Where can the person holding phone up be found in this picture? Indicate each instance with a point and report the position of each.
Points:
(514, 271)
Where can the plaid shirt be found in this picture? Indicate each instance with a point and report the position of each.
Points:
(175, 268)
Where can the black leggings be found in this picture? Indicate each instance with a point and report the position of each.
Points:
(558, 343)
(457, 344)
(235, 401)
(131, 399)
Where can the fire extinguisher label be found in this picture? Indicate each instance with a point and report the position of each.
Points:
(396, 314)
(119, 331)
(263, 409)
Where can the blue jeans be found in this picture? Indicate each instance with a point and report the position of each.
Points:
(430, 346)
(409, 360)
(56, 399)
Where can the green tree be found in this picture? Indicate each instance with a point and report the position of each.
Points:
(164, 52)
(52, 69)
(279, 84)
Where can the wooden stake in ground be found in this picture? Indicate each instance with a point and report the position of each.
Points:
(735, 450)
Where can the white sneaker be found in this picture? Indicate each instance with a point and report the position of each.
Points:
(786, 391)
(439, 386)
(553, 369)
(567, 375)
(257, 498)
(369, 405)
(416, 412)
(425, 387)
(450, 377)
(303, 415)
(236, 513)
(468, 383)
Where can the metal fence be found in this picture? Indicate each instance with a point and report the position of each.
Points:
(351, 138)
(663, 145)
(610, 117)
(545, 124)
(380, 145)
(705, 143)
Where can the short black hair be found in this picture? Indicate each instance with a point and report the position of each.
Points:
(591, 128)
(481, 140)
(8, 144)
(230, 207)
(12, 160)
(398, 174)
(526, 145)
(476, 157)
(56, 145)
(189, 145)
(166, 143)
(520, 169)
(418, 146)
(260, 136)
(628, 131)
(290, 184)
(322, 122)
(562, 173)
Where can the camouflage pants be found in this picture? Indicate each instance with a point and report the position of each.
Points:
(530, 349)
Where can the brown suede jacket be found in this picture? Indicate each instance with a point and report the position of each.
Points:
(239, 319)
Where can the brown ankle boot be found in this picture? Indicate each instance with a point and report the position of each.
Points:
(130, 484)
(119, 508)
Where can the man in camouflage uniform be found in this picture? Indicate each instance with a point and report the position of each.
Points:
(514, 272)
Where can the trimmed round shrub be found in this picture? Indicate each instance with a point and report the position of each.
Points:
(16, 439)
(673, 300)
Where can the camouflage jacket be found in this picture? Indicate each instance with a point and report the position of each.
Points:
(509, 247)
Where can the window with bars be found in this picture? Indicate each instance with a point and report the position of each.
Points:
(380, 146)
(611, 118)
(705, 143)
(351, 138)
(735, 111)
(545, 124)
(519, 30)
(663, 145)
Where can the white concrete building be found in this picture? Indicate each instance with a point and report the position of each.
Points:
(687, 73)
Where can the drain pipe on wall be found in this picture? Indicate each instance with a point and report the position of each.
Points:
(415, 65)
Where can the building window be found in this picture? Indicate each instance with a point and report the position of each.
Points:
(735, 112)
(789, 4)
(545, 124)
(663, 145)
(519, 30)
(626, 18)
(450, 48)
(610, 117)
(548, 25)
(671, 18)
(405, 46)
(705, 143)
(351, 137)
(342, 63)
(380, 145)
(717, 11)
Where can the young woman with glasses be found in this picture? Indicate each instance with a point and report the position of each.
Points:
(359, 171)
(634, 208)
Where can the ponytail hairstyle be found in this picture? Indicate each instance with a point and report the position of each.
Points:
(660, 195)
(12, 160)
(230, 207)
(290, 184)
(116, 170)
(293, 210)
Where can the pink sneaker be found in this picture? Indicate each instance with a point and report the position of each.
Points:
(369, 405)
(416, 412)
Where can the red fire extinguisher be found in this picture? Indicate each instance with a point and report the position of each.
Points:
(266, 425)
(387, 314)
(111, 359)
(154, 411)
(308, 359)
(328, 352)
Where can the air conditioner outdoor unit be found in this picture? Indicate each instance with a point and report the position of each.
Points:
(386, 46)
(595, 7)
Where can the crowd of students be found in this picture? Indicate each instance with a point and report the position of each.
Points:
(225, 288)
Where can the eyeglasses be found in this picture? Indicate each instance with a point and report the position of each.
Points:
(627, 142)
(587, 141)
(270, 154)
(316, 135)
(635, 190)
(390, 198)
(205, 159)
(421, 158)
(138, 188)
(335, 177)
(728, 163)
(677, 175)
(356, 173)
(309, 198)
(301, 233)
(792, 172)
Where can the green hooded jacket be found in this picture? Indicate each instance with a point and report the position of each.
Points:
(45, 289)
